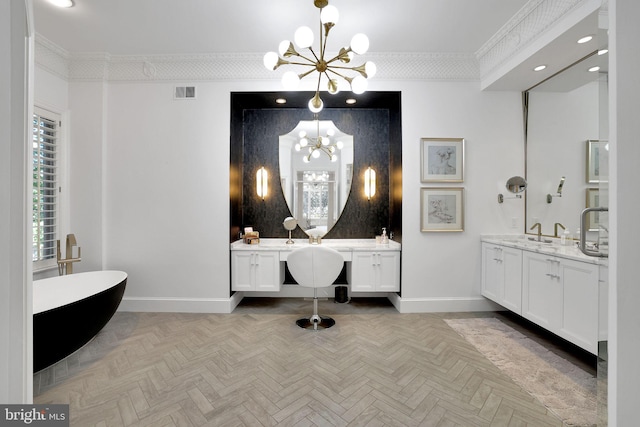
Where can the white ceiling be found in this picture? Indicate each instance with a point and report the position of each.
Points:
(123, 27)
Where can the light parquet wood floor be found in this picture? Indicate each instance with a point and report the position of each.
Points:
(255, 367)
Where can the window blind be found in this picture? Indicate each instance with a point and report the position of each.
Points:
(45, 185)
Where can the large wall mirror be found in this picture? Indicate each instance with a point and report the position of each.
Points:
(566, 137)
(316, 171)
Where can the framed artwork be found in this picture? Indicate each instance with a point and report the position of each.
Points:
(593, 201)
(597, 156)
(442, 159)
(442, 209)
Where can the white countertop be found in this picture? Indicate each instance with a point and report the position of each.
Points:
(553, 248)
(279, 244)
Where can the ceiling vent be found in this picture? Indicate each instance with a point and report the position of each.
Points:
(184, 92)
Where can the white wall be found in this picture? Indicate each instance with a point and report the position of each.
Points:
(150, 188)
(441, 271)
(624, 204)
(167, 195)
(87, 142)
(15, 266)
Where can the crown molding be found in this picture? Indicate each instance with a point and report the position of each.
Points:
(536, 17)
(242, 66)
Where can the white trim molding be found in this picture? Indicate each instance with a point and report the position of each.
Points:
(237, 66)
(534, 19)
(181, 305)
(442, 305)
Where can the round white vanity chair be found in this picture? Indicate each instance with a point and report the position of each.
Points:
(315, 267)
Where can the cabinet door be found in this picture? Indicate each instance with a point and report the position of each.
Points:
(363, 275)
(491, 272)
(512, 279)
(375, 271)
(603, 304)
(580, 304)
(242, 270)
(388, 268)
(267, 271)
(502, 276)
(542, 290)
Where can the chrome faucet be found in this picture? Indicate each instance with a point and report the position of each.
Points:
(555, 229)
(537, 224)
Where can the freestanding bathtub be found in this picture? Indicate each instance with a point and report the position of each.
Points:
(68, 311)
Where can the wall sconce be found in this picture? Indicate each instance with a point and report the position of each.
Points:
(369, 183)
(262, 182)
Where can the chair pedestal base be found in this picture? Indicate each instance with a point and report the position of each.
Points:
(316, 322)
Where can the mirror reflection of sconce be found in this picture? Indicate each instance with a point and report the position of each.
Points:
(262, 182)
(515, 185)
(558, 193)
(369, 183)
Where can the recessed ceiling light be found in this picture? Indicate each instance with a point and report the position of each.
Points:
(585, 39)
(281, 101)
(351, 101)
(594, 69)
(540, 68)
(603, 51)
(61, 3)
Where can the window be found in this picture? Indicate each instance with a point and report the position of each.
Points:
(46, 187)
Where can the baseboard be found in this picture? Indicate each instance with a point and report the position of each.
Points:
(227, 305)
(296, 291)
(181, 305)
(442, 305)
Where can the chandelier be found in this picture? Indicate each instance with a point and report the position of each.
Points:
(331, 68)
(319, 144)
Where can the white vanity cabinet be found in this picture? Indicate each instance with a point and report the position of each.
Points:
(502, 275)
(371, 267)
(375, 271)
(555, 287)
(562, 295)
(255, 271)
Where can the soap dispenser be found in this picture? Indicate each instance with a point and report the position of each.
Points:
(385, 238)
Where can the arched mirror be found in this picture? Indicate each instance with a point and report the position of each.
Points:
(316, 169)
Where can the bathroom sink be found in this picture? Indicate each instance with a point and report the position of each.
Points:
(540, 242)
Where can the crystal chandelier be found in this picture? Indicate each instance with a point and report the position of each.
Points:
(318, 144)
(331, 68)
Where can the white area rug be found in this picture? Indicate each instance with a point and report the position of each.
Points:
(566, 390)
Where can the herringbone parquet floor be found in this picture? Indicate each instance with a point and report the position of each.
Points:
(255, 367)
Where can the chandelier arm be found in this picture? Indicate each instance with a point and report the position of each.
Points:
(337, 57)
(356, 69)
(342, 67)
(340, 75)
(305, 64)
(323, 40)
(305, 74)
(318, 86)
(314, 55)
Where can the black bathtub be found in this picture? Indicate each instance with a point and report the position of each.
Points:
(68, 311)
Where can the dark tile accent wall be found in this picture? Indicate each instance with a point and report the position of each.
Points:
(256, 124)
